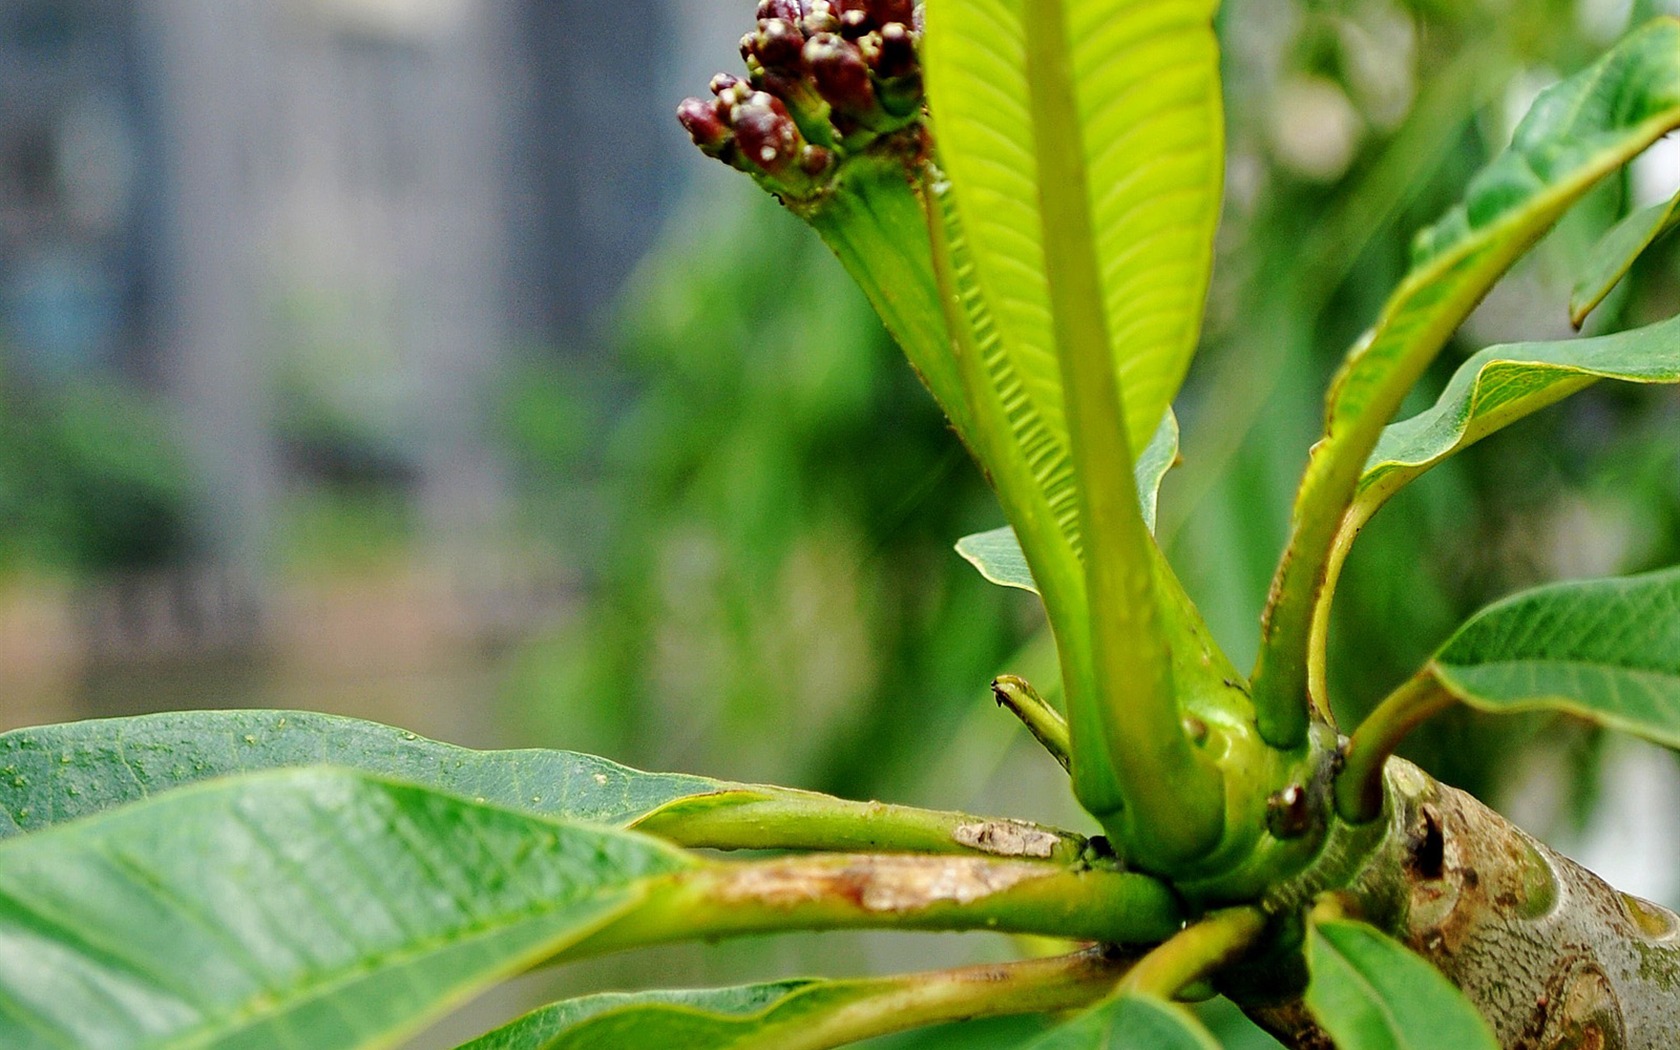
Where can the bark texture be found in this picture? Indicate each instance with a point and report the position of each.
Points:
(1554, 957)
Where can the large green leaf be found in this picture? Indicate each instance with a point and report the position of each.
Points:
(997, 553)
(1606, 650)
(1370, 993)
(1131, 1022)
(1577, 132)
(1616, 252)
(306, 908)
(52, 774)
(1147, 85)
(1501, 385)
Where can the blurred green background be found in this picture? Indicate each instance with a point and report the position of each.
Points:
(399, 358)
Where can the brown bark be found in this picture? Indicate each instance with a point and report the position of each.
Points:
(1554, 957)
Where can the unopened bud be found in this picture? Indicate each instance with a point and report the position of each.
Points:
(722, 83)
(816, 161)
(786, 10)
(841, 76)
(896, 54)
(885, 11)
(778, 45)
(855, 24)
(821, 16)
(766, 134)
(706, 121)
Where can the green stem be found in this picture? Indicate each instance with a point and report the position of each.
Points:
(885, 891)
(1044, 722)
(1195, 953)
(1174, 799)
(1318, 636)
(798, 820)
(1054, 564)
(1359, 792)
(1065, 982)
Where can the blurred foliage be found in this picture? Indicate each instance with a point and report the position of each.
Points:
(91, 480)
(773, 593)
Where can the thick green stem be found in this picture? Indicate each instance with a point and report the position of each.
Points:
(1130, 722)
(1044, 722)
(1195, 953)
(839, 892)
(797, 820)
(1359, 786)
(1065, 982)
(1055, 566)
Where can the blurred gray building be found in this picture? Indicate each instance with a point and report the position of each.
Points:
(316, 227)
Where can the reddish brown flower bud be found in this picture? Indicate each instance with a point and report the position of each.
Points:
(821, 16)
(766, 135)
(722, 83)
(787, 10)
(706, 121)
(841, 75)
(779, 46)
(885, 11)
(816, 161)
(855, 24)
(896, 54)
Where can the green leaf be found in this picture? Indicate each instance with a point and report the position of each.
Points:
(1501, 385)
(997, 553)
(1131, 1022)
(1577, 132)
(1370, 993)
(1147, 89)
(310, 908)
(750, 1016)
(998, 557)
(1606, 650)
(809, 1014)
(52, 774)
(1616, 252)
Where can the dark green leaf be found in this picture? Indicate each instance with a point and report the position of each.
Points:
(1614, 255)
(1371, 993)
(56, 773)
(1129, 1023)
(308, 908)
(1606, 650)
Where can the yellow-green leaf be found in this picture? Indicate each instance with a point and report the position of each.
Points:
(1147, 90)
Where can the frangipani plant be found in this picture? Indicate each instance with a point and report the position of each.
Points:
(1027, 190)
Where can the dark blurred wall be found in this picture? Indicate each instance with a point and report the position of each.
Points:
(597, 162)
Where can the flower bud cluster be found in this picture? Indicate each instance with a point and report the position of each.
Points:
(826, 79)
